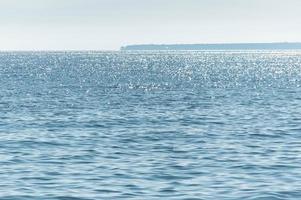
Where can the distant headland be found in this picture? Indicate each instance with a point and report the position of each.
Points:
(223, 46)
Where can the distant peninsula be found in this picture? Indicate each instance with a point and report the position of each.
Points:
(224, 46)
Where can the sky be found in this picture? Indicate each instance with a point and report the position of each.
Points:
(110, 24)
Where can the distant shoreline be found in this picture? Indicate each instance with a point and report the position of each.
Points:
(221, 46)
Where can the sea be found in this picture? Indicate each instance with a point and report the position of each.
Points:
(179, 125)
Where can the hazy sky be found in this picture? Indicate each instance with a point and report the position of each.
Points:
(109, 24)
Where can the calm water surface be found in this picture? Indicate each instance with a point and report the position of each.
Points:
(150, 125)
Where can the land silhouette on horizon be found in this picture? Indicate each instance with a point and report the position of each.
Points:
(216, 46)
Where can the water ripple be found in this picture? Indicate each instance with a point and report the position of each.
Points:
(150, 125)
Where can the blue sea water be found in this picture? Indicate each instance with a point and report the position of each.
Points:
(150, 125)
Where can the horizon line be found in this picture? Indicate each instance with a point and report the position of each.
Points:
(144, 44)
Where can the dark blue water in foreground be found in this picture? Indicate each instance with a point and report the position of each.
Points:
(150, 125)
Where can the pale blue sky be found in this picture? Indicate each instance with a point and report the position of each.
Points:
(109, 24)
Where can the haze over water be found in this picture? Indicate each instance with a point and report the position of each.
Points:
(150, 125)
